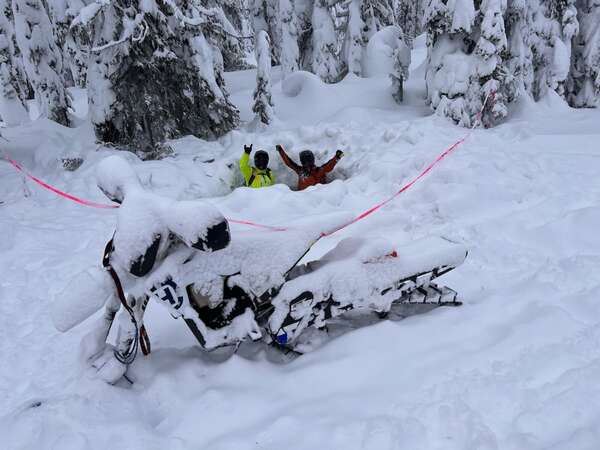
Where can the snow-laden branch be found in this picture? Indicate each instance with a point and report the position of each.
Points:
(129, 33)
(86, 15)
(200, 16)
(214, 18)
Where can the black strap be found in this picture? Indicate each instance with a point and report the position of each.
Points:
(140, 332)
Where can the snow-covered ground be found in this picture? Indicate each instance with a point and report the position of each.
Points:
(516, 367)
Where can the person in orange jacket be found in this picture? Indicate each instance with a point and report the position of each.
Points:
(308, 173)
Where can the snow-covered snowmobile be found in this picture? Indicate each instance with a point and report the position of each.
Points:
(234, 286)
(255, 288)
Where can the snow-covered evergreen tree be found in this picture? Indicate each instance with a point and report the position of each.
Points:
(42, 59)
(304, 13)
(142, 51)
(584, 80)
(354, 41)
(12, 110)
(469, 60)
(449, 77)
(289, 53)
(401, 58)
(279, 18)
(554, 27)
(409, 14)
(12, 81)
(490, 68)
(263, 105)
(325, 61)
(364, 19)
(62, 14)
(266, 17)
(376, 15)
(224, 30)
(518, 61)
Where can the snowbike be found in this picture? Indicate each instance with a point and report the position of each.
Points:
(258, 288)
(230, 286)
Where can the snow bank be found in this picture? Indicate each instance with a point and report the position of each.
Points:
(514, 368)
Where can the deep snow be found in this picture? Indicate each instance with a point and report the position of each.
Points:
(516, 367)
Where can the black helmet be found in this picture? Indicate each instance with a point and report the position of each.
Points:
(307, 158)
(261, 159)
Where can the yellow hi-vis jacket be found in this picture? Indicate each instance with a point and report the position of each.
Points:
(255, 178)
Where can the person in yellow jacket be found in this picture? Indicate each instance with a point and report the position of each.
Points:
(260, 175)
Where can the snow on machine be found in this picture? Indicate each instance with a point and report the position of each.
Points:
(232, 295)
(231, 287)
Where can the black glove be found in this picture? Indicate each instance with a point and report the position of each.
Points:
(339, 154)
(279, 148)
(248, 148)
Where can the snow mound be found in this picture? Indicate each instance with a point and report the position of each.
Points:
(378, 59)
(301, 82)
(552, 101)
(116, 177)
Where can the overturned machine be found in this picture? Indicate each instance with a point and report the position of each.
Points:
(255, 288)
(229, 287)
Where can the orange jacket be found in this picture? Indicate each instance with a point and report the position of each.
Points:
(308, 176)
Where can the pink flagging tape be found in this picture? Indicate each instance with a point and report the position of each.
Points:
(358, 218)
(407, 186)
(257, 225)
(81, 201)
(427, 169)
(92, 204)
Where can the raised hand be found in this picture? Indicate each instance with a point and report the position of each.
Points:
(248, 148)
(339, 154)
(279, 148)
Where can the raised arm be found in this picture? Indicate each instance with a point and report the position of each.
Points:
(287, 160)
(245, 163)
(330, 165)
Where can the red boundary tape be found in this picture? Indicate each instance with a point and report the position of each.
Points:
(407, 186)
(81, 201)
(258, 225)
(361, 216)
